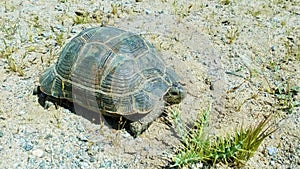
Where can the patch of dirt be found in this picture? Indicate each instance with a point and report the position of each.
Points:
(230, 57)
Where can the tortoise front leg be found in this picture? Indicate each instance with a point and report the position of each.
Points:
(137, 127)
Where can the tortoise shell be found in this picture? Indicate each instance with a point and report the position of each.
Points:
(112, 71)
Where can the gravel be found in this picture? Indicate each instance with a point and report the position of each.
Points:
(201, 39)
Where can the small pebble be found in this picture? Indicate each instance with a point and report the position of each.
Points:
(73, 30)
(48, 136)
(38, 152)
(84, 165)
(68, 154)
(106, 164)
(20, 96)
(22, 112)
(92, 159)
(1, 134)
(83, 138)
(45, 34)
(59, 8)
(161, 12)
(42, 164)
(273, 48)
(80, 12)
(272, 151)
(136, 159)
(125, 134)
(28, 146)
(146, 148)
(60, 28)
(80, 128)
(147, 11)
(125, 166)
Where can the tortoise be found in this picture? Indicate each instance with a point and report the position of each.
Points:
(115, 73)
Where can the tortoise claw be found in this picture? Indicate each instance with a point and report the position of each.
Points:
(136, 128)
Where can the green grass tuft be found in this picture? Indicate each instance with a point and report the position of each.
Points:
(233, 150)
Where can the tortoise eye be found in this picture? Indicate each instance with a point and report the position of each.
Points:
(175, 85)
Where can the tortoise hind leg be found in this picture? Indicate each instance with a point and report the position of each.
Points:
(137, 127)
(43, 99)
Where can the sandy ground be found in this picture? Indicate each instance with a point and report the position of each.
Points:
(233, 55)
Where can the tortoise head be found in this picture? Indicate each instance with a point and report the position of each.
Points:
(175, 94)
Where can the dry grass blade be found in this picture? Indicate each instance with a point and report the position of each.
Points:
(253, 137)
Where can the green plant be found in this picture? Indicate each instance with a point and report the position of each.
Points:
(35, 20)
(114, 9)
(81, 17)
(7, 54)
(180, 10)
(234, 150)
(292, 50)
(59, 38)
(8, 7)
(232, 34)
(225, 2)
(9, 28)
(57, 119)
(285, 95)
(254, 13)
(80, 20)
